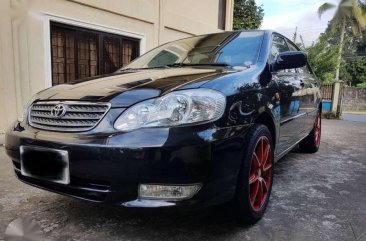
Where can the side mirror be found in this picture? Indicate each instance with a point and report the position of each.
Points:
(290, 60)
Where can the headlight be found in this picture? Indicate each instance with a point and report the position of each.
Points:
(176, 108)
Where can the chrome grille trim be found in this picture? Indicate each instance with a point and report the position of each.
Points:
(80, 116)
(69, 116)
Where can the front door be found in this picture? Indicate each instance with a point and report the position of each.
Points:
(291, 89)
(307, 96)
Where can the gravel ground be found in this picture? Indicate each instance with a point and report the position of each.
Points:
(318, 196)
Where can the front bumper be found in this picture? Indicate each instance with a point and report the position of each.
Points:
(108, 167)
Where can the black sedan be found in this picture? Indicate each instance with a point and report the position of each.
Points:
(192, 123)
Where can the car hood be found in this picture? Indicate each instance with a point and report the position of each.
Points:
(126, 88)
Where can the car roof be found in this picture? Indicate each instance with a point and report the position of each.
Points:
(266, 31)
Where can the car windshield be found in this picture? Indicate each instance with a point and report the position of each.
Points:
(228, 48)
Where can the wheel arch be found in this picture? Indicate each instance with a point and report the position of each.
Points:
(266, 119)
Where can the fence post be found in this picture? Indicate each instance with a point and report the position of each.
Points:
(336, 98)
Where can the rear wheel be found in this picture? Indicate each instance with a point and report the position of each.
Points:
(256, 176)
(312, 142)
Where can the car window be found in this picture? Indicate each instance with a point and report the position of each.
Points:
(243, 50)
(292, 46)
(163, 58)
(232, 48)
(304, 70)
(278, 46)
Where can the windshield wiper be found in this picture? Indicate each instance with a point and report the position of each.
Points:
(189, 65)
(175, 65)
(134, 69)
(127, 69)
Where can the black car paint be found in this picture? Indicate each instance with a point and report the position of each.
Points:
(107, 165)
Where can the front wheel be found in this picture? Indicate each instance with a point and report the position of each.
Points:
(256, 176)
(312, 142)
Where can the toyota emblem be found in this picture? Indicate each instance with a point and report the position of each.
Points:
(58, 111)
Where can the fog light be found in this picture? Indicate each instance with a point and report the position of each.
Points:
(168, 192)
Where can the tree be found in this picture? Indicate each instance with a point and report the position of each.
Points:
(354, 71)
(347, 11)
(353, 67)
(247, 15)
(323, 58)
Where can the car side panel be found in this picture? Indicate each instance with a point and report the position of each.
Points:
(312, 99)
(290, 116)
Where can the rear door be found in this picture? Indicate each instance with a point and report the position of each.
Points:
(310, 97)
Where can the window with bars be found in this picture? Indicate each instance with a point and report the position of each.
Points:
(222, 14)
(79, 53)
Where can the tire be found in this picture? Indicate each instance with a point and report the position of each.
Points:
(255, 177)
(312, 142)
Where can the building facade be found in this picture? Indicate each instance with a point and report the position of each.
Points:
(49, 42)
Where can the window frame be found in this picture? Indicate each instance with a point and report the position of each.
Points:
(308, 67)
(222, 15)
(290, 43)
(272, 59)
(287, 41)
(101, 37)
(47, 18)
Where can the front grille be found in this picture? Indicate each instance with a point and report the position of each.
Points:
(70, 116)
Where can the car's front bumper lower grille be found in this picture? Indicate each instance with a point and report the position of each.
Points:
(71, 116)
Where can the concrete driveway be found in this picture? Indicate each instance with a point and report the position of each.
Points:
(357, 117)
(318, 196)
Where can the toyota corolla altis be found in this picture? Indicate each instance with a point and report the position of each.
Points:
(192, 123)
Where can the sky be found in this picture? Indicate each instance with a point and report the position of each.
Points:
(284, 15)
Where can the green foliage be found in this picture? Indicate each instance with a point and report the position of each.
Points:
(329, 115)
(247, 15)
(362, 5)
(349, 17)
(362, 85)
(353, 71)
(351, 11)
(323, 59)
(353, 68)
(323, 55)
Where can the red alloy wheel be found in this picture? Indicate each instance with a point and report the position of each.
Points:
(317, 130)
(260, 176)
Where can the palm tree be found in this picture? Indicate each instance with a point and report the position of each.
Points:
(346, 11)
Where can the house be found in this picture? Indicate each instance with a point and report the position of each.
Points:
(49, 42)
